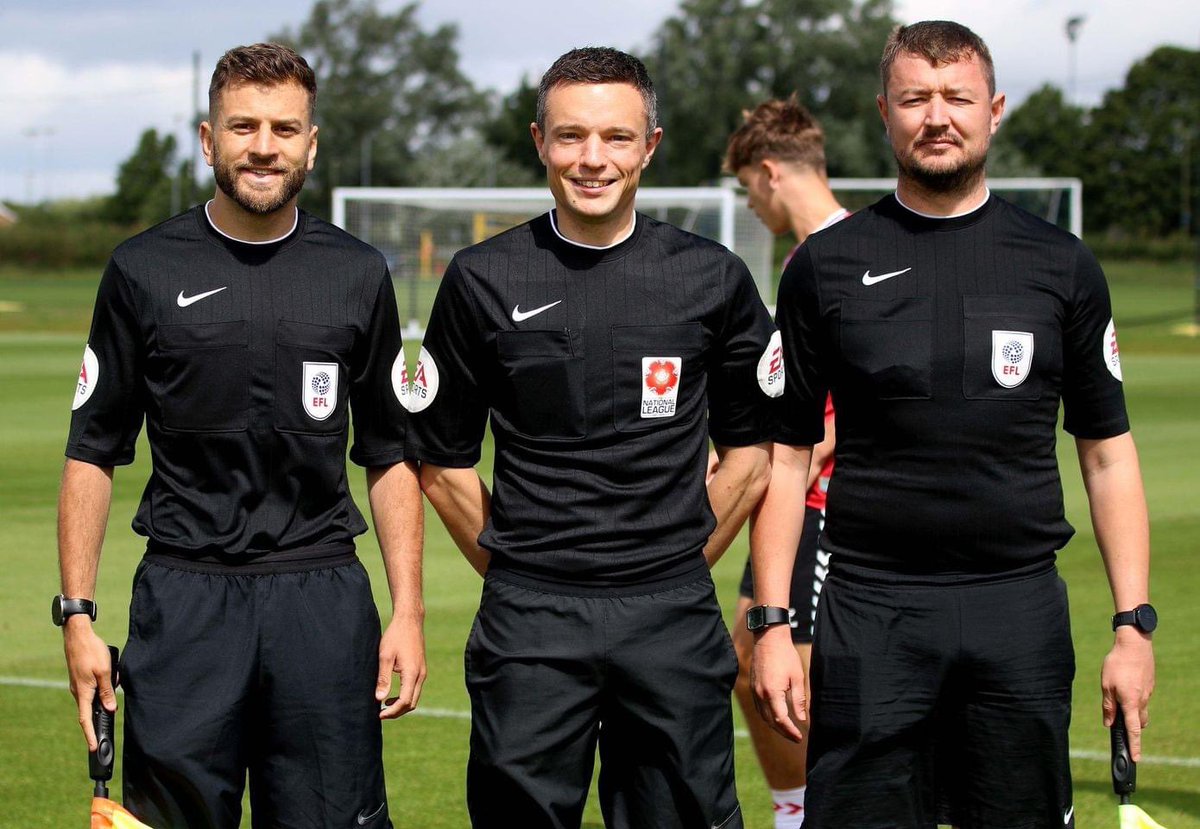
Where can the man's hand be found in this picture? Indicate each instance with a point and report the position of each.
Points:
(778, 682)
(401, 652)
(1127, 679)
(89, 667)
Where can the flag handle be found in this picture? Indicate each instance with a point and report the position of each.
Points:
(101, 761)
(1124, 770)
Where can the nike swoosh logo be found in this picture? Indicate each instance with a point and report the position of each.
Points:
(185, 301)
(871, 280)
(362, 819)
(1067, 816)
(520, 316)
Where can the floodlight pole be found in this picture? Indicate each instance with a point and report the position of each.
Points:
(1074, 24)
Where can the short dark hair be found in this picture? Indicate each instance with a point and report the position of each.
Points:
(599, 64)
(939, 42)
(263, 64)
(778, 129)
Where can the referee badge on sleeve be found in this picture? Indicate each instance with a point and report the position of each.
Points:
(319, 391)
(660, 391)
(89, 376)
(1112, 354)
(770, 367)
(1012, 355)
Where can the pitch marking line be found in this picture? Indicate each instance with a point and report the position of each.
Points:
(450, 714)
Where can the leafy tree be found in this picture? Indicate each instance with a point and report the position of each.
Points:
(387, 91)
(1143, 147)
(1047, 131)
(144, 181)
(715, 58)
(508, 129)
(472, 162)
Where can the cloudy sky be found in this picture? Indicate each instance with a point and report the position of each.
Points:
(81, 79)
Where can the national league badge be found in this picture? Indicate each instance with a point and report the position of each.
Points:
(660, 386)
(1111, 353)
(320, 389)
(1012, 355)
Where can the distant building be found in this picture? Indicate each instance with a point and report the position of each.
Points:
(7, 217)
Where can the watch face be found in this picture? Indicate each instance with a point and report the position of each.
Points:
(56, 614)
(1146, 618)
(754, 618)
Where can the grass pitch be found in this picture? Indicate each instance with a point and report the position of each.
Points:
(43, 771)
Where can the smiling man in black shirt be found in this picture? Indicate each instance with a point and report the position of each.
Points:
(606, 347)
(247, 333)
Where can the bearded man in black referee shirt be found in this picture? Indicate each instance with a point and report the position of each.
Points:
(948, 325)
(246, 333)
(606, 348)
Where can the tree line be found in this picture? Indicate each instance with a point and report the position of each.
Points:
(395, 109)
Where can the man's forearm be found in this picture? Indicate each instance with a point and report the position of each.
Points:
(463, 502)
(733, 492)
(776, 525)
(395, 498)
(83, 503)
(1117, 500)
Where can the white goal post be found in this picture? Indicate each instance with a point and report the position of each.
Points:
(418, 230)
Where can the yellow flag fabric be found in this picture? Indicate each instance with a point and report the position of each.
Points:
(1134, 818)
(109, 815)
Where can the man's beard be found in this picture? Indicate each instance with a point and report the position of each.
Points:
(253, 201)
(956, 178)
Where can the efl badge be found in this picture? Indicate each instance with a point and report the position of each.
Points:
(1112, 354)
(320, 389)
(89, 376)
(418, 393)
(1012, 355)
(770, 367)
(660, 385)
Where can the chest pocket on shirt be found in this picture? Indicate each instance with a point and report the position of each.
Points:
(658, 376)
(541, 391)
(312, 382)
(886, 347)
(205, 376)
(1012, 347)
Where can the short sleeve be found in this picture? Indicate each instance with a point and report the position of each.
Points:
(745, 366)
(1093, 397)
(447, 395)
(109, 402)
(376, 386)
(801, 413)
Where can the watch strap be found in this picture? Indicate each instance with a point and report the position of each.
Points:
(764, 616)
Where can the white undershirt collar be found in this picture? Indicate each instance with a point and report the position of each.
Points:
(295, 221)
(987, 194)
(833, 218)
(558, 233)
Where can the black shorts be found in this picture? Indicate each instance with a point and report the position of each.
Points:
(941, 704)
(808, 576)
(648, 677)
(271, 674)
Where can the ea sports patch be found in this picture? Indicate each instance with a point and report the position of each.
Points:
(419, 392)
(400, 378)
(660, 385)
(1112, 354)
(89, 376)
(319, 391)
(1012, 355)
(770, 367)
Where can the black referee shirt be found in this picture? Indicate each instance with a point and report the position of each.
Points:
(245, 361)
(947, 345)
(604, 371)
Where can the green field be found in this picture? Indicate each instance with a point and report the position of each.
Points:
(43, 771)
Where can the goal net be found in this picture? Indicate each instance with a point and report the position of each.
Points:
(419, 230)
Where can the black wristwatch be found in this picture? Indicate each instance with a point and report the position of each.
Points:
(62, 608)
(1143, 617)
(763, 616)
